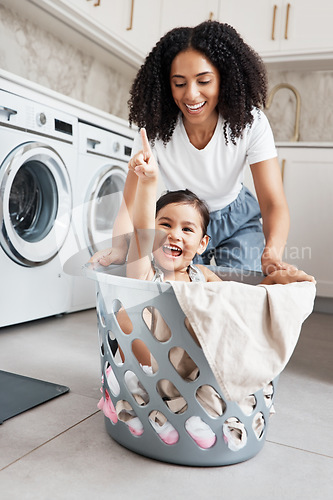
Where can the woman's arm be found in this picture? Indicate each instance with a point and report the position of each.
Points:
(275, 213)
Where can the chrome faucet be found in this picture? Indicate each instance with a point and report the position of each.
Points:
(295, 137)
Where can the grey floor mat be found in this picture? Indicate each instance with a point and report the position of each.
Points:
(19, 393)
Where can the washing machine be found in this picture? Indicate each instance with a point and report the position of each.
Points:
(98, 191)
(38, 155)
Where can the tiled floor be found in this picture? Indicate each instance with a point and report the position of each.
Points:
(60, 450)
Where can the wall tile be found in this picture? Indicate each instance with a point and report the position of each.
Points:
(316, 119)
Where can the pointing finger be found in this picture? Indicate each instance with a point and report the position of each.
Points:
(145, 144)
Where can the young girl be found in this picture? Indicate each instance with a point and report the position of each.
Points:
(166, 238)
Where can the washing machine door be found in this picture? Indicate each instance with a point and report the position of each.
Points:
(104, 199)
(35, 204)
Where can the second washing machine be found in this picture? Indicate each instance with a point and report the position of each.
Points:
(98, 191)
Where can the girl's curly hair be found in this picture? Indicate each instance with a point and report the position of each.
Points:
(243, 81)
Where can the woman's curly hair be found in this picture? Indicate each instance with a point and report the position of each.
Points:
(243, 81)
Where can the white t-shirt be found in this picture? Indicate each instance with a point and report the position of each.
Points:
(215, 173)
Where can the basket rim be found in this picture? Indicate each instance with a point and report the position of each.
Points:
(116, 275)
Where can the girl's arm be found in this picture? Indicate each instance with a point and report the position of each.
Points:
(141, 244)
(275, 213)
(208, 274)
(123, 225)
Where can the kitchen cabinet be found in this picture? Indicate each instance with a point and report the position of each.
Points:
(186, 13)
(120, 33)
(281, 27)
(136, 22)
(308, 184)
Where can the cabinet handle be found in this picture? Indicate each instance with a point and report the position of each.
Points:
(97, 4)
(287, 22)
(131, 18)
(283, 166)
(273, 23)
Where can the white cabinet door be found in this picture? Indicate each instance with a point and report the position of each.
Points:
(175, 13)
(309, 27)
(255, 20)
(308, 184)
(277, 27)
(137, 22)
(134, 24)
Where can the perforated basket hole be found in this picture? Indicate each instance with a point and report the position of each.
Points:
(101, 347)
(156, 324)
(136, 388)
(115, 349)
(200, 432)
(163, 428)
(183, 364)
(171, 396)
(234, 434)
(144, 356)
(123, 319)
(191, 331)
(111, 379)
(210, 400)
(127, 415)
(268, 394)
(248, 404)
(258, 425)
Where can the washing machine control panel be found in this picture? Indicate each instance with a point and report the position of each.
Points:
(99, 141)
(41, 119)
(116, 146)
(25, 114)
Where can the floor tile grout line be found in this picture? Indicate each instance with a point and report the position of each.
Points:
(49, 440)
(299, 449)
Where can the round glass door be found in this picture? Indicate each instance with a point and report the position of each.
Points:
(35, 200)
(104, 200)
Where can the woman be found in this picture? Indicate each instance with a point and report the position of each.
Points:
(198, 95)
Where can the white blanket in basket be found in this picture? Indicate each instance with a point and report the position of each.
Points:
(248, 333)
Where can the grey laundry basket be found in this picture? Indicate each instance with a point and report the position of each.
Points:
(115, 290)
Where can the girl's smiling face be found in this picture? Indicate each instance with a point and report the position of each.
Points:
(179, 236)
(195, 86)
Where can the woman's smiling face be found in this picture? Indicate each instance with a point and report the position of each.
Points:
(195, 86)
(178, 236)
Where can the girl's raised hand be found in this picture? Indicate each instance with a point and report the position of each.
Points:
(143, 163)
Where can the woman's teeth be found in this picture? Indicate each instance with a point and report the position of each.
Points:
(195, 107)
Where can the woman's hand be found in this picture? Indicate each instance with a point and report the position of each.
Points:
(270, 262)
(143, 163)
(286, 276)
(109, 256)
